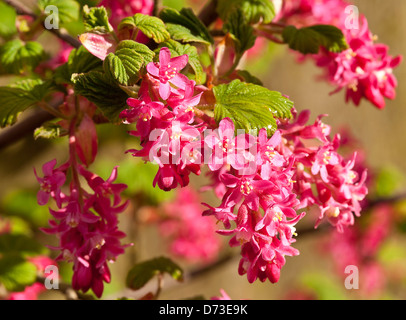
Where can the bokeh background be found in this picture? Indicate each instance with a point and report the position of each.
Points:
(382, 133)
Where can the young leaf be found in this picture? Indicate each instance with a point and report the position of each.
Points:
(308, 40)
(251, 107)
(17, 56)
(16, 273)
(96, 19)
(152, 27)
(19, 97)
(68, 10)
(124, 65)
(80, 61)
(104, 93)
(241, 32)
(178, 49)
(141, 273)
(184, 26)
(254, 11)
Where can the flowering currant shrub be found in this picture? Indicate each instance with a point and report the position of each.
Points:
(173, 84)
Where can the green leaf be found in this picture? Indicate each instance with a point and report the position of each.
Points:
(114, 69)
(124, 65)
(68, 10)
(241, 32)
(152, 27)
(80, 61)
(184, 26)
(141, 273)
(178, 49)
(16, 273)
(7, 20)
(20, 245)
(19, 97)
(249, 106)
(104, 93)
(17, 57)
(96, 19)
(308, 40)
(255, 11)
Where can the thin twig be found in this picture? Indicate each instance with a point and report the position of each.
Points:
(23, 128)
(209, 13)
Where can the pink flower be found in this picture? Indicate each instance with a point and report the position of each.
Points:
(50, 184)
(166, 71)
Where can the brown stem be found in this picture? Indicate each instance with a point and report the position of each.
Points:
(23, 128)
(209, 13)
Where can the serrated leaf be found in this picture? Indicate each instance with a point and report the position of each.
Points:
(104, 93)
(80, 61)
(20, 245)
(114, 69)
(16, 273)
(19, 97)
(124, 65)
(249, 106)
(178, 49)
(140, 274)
(308, 40)
(184, 26)
(241, 32)
(152, 27)
(68, 10)
(96, 19)
(254, 11)
(17, 56)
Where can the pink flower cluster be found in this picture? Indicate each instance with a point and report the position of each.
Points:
(262, 182)
(191, 236)
(168, 131)
(365, 69)
(85, 219)
(322, 176)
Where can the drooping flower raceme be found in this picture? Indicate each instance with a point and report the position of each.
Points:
(365, 69)
(85, 219)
